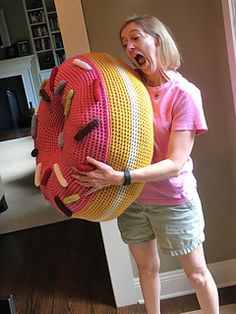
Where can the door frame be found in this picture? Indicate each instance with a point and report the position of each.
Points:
(229, 15)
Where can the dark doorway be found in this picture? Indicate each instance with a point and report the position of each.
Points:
(15, 112)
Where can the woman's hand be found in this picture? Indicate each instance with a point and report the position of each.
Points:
(95, 180)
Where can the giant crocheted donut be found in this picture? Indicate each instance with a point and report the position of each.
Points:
(92, 105)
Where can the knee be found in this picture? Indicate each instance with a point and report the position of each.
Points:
(198, 278)
(148, 269)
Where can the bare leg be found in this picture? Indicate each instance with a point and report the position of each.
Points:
(195, 267)
(147, 259)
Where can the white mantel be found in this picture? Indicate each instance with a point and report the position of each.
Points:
(21, 66)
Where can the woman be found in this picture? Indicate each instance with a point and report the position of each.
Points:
(168, 208)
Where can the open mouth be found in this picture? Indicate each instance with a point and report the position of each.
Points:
(139, 59)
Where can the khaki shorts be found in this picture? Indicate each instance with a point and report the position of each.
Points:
(179, 229)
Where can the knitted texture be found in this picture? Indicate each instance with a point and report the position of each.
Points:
(92, 105)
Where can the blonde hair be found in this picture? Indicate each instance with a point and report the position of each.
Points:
(169, 54)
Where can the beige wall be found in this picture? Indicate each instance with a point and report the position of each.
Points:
(199, 30)
(72, 26)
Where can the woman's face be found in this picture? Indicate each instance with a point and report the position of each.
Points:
(141, 48)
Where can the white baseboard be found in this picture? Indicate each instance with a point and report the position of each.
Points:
(174, 283)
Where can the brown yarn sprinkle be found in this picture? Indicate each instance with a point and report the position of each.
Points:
(87, 129)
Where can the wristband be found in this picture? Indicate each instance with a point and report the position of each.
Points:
(127, 177)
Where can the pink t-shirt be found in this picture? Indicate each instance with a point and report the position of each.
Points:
(177, 105)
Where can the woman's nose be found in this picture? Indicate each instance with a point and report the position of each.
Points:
(130, 45)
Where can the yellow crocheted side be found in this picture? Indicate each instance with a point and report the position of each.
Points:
(131, 144)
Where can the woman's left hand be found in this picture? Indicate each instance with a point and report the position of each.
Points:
(95, 180)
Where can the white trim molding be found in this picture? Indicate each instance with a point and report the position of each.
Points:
(175, 284)
(229, 15)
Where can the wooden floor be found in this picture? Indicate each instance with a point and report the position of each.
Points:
(61, 268)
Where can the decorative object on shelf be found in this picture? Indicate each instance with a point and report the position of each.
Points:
(12, 51)
(23, 48)
(53, 21)
(37, 16)
(92, 105)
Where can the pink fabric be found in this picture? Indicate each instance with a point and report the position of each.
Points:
(52, 122)
(177, 105)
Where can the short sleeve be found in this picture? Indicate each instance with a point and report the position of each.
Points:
(188, 113)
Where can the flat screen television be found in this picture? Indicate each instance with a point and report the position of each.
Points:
(4, 36)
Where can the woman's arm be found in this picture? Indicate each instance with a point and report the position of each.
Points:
(179, 149)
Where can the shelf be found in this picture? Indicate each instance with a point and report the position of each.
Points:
(52, 12)
(37, 16)
(42, 51)
(40, 31)
(47, 36)
(38, 23)
(45, 33)
(36, 9)
(56, 32)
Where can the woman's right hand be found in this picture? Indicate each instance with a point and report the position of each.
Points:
(103, 176)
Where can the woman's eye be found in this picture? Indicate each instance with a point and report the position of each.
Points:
(135, 38)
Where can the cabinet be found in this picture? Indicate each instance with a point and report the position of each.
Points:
(46, 39)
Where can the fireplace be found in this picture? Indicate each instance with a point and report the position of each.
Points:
(17, 93)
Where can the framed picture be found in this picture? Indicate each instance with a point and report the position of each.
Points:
(12, 51)
(23, 48)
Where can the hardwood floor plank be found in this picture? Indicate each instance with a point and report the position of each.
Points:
(62, 269)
